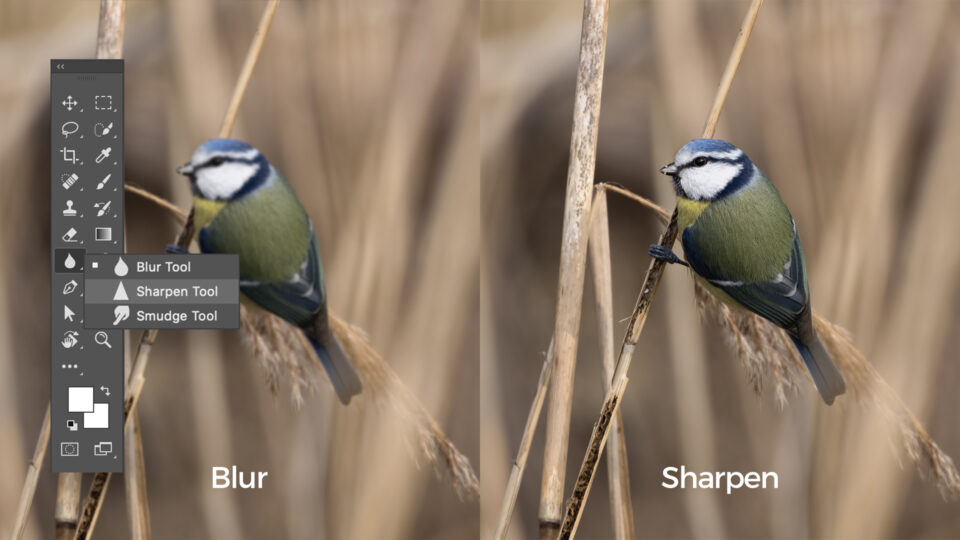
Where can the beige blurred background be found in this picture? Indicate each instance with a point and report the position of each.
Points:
(363, 106)
(853, 109)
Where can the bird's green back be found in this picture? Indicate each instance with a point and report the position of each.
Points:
(269, 229)
(747, 236)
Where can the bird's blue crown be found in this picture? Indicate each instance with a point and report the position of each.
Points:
(226, 169)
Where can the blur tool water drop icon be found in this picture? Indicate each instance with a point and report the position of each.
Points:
(120, 269)
(69, 262)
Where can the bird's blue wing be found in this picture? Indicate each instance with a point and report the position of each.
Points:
(780, 300)
(296, 300)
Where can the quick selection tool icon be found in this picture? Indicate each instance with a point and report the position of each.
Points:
(100, 130)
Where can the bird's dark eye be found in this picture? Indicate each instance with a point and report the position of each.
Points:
(699, 161)
(216, 161)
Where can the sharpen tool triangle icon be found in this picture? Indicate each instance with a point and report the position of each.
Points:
(121, 294)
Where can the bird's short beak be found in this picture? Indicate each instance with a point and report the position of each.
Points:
(669, 170)
(186, 169)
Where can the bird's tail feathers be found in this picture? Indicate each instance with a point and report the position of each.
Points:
(342, 376)
(825, 374)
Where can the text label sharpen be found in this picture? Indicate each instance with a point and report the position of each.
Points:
(728, 481)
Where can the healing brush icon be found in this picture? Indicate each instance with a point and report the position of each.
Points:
(69, 180)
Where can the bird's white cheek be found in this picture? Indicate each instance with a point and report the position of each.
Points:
(223, 181)
(708, 181)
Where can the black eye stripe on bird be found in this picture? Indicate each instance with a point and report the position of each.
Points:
(710, 160)
(739, 238)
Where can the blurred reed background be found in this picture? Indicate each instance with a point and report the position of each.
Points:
(367, 108)
(853, 109)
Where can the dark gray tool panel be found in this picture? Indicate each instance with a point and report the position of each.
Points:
(86, 218)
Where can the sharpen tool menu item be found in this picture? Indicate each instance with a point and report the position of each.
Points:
(86, 219)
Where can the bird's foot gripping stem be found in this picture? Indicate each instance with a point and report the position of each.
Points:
(664, 253)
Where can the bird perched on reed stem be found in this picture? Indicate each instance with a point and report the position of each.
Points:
(741, 241)
(243, 205)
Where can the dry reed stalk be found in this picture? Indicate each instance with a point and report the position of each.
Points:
(211, 414)
(33, 475)
(68, 504)
(135, 481)
(601, 428)
(526, 440)
(573, 256)
(110, 45)
(94, 502)
(110, 28)
(621, 505)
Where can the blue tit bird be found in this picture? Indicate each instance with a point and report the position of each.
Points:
(741, 241)
(242, 205)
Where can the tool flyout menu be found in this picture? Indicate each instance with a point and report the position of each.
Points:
(86, 219)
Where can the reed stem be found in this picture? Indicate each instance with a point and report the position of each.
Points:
(573, 255)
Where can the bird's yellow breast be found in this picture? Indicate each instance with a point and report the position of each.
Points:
(688, 211)
(204, 210)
